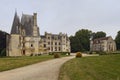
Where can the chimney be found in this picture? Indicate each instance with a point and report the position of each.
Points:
(35, 19)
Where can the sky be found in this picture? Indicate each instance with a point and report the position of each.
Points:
(66, 16)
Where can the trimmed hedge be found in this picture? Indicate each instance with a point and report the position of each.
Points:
(62, 53)
(3, 52)
(56, 55)
(78, 55)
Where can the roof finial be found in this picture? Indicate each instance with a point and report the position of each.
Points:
(15, 11)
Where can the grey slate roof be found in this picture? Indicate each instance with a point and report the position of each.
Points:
(27, 23)
(95, 41)
(15, 25)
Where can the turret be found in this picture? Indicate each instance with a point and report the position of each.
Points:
(16, 25)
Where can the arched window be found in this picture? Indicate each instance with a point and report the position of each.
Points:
(31, 45)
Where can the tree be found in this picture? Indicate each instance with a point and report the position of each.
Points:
(83, 36)
(3, 43)
(98, 34)
(81, 40)
(117, 40)
(75, 45)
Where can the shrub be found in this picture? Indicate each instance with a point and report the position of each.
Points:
(90, 52)
(51, 53)
(78, 55)
(39, 54)
(101, 52)
(31, 54)
(3, 52)
(65, 53)
(56, 55)
(62, 53)
(68, 53)
(93, 52)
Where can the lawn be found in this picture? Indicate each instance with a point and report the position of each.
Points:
(105, 67)
(15, 62)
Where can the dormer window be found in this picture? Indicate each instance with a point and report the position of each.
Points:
(17, 29)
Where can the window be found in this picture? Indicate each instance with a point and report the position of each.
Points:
(48, 43)
(48, 37)
(31, 45)
(59, 43)
(20, 38)
(48, 48)
(23, 52)
(55, 48)
(44, 45)
(23, 44)
(51, 48)
(55, 43)
(59, 49)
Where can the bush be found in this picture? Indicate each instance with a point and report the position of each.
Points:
(93, 52)
(56, 55)
(3, 52)
(62, 53)
(65, 53)
(78, 55)
(51, 53)
(31, 54)
(90, 52)
(101, 52)
(68, 53)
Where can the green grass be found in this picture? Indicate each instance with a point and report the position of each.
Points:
(105, 67)
(15, 62)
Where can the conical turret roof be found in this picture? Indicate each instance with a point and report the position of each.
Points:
(15, 25)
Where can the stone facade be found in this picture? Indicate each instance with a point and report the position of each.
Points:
(56, 42)
(106, 44)
(25, 38)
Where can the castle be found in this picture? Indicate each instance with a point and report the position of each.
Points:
(56, 42)
(106, 44)
(25, 38)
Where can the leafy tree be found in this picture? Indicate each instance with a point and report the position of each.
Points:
(75, 45)
(3, 43)
(98, 34)
(117, 40)
(81, 40)
(84, 38)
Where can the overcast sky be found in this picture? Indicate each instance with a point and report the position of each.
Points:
(67, 16)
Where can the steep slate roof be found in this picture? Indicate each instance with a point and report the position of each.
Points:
(15, 25)
(95, 41)
(103, 38)
(27, 23)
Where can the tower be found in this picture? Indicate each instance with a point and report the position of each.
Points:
(14, 39)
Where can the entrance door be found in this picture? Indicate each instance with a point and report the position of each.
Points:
(23, 52)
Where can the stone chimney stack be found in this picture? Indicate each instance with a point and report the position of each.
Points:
(35, 28)
(35, 19)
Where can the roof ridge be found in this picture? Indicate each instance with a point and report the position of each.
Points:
(102, 38)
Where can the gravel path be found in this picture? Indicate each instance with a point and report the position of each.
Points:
(48, 70)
